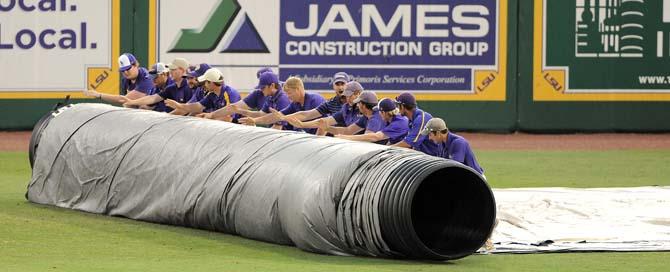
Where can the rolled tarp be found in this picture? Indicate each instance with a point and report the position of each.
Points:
(320, 194)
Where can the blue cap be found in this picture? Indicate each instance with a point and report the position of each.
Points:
(198, 71)
(266, 79)
(340, 77)
(126, 62)
(385, 105)
(262, 71)
(406, 99)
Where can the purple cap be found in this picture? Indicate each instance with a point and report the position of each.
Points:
(406, 99)
(198, 70)
(385, 105)
(340, 77)
(262, 71)
(267, 79)
(126, 62)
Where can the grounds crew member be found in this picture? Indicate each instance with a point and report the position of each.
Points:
(197, 88)
(301, 101)
(178, 91)
(346, 117)
(395, 130)
(273, 98)
(449, 145)
(217, 95)
(417, 123)
(160, 75)
(136, 82)
(332, 106)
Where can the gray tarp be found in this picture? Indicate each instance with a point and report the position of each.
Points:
(318, 193)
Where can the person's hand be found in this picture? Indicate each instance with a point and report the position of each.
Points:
(294, 122)
(247, 121)
(130, 103)
(92, 93)
(278, 114)
(172, 104)
(234, 108)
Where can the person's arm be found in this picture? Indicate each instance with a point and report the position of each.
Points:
(188, 108)
(294, 121)
(402, 144)
(368, 137)
(143, 101)
(178, 112)
(263, 120)
(306, 115)
(350, 130)
(226, 111)
(115, 99)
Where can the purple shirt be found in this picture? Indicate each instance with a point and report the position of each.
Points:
(213, 102)
(414, 138)
(396, 130)
(143, 82)
(180, 94)
(255, 99)
(458, 149)
(197, 94)
(347, 115)
(160, 106)
(374, 124)
(312, 101)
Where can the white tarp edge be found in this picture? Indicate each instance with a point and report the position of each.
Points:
(562, 219)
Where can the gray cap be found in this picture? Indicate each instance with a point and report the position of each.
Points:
(368, 97)
(352, 87)
(340, 77)
(434, 124)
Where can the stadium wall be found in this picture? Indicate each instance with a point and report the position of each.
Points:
(505, 88)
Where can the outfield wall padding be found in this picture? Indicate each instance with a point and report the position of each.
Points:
(320, 194)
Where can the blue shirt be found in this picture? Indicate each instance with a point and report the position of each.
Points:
(213, 102)
(255, 100)
(347, 115)
(414, 138)
(458, 149)
(180, 94)
(160, 106)
(373, 124)
(143, 82)
(312, 101)
(396, 130)
(277, 101)
(332, 106)
(197, 94)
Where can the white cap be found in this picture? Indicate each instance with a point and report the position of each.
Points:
(213, 75)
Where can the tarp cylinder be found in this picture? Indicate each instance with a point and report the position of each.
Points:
(320, 194)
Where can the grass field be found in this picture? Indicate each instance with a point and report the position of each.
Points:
(42, 238)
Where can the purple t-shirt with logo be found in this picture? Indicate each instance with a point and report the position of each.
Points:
(312, 101)
(396, 130)
(143, 82)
